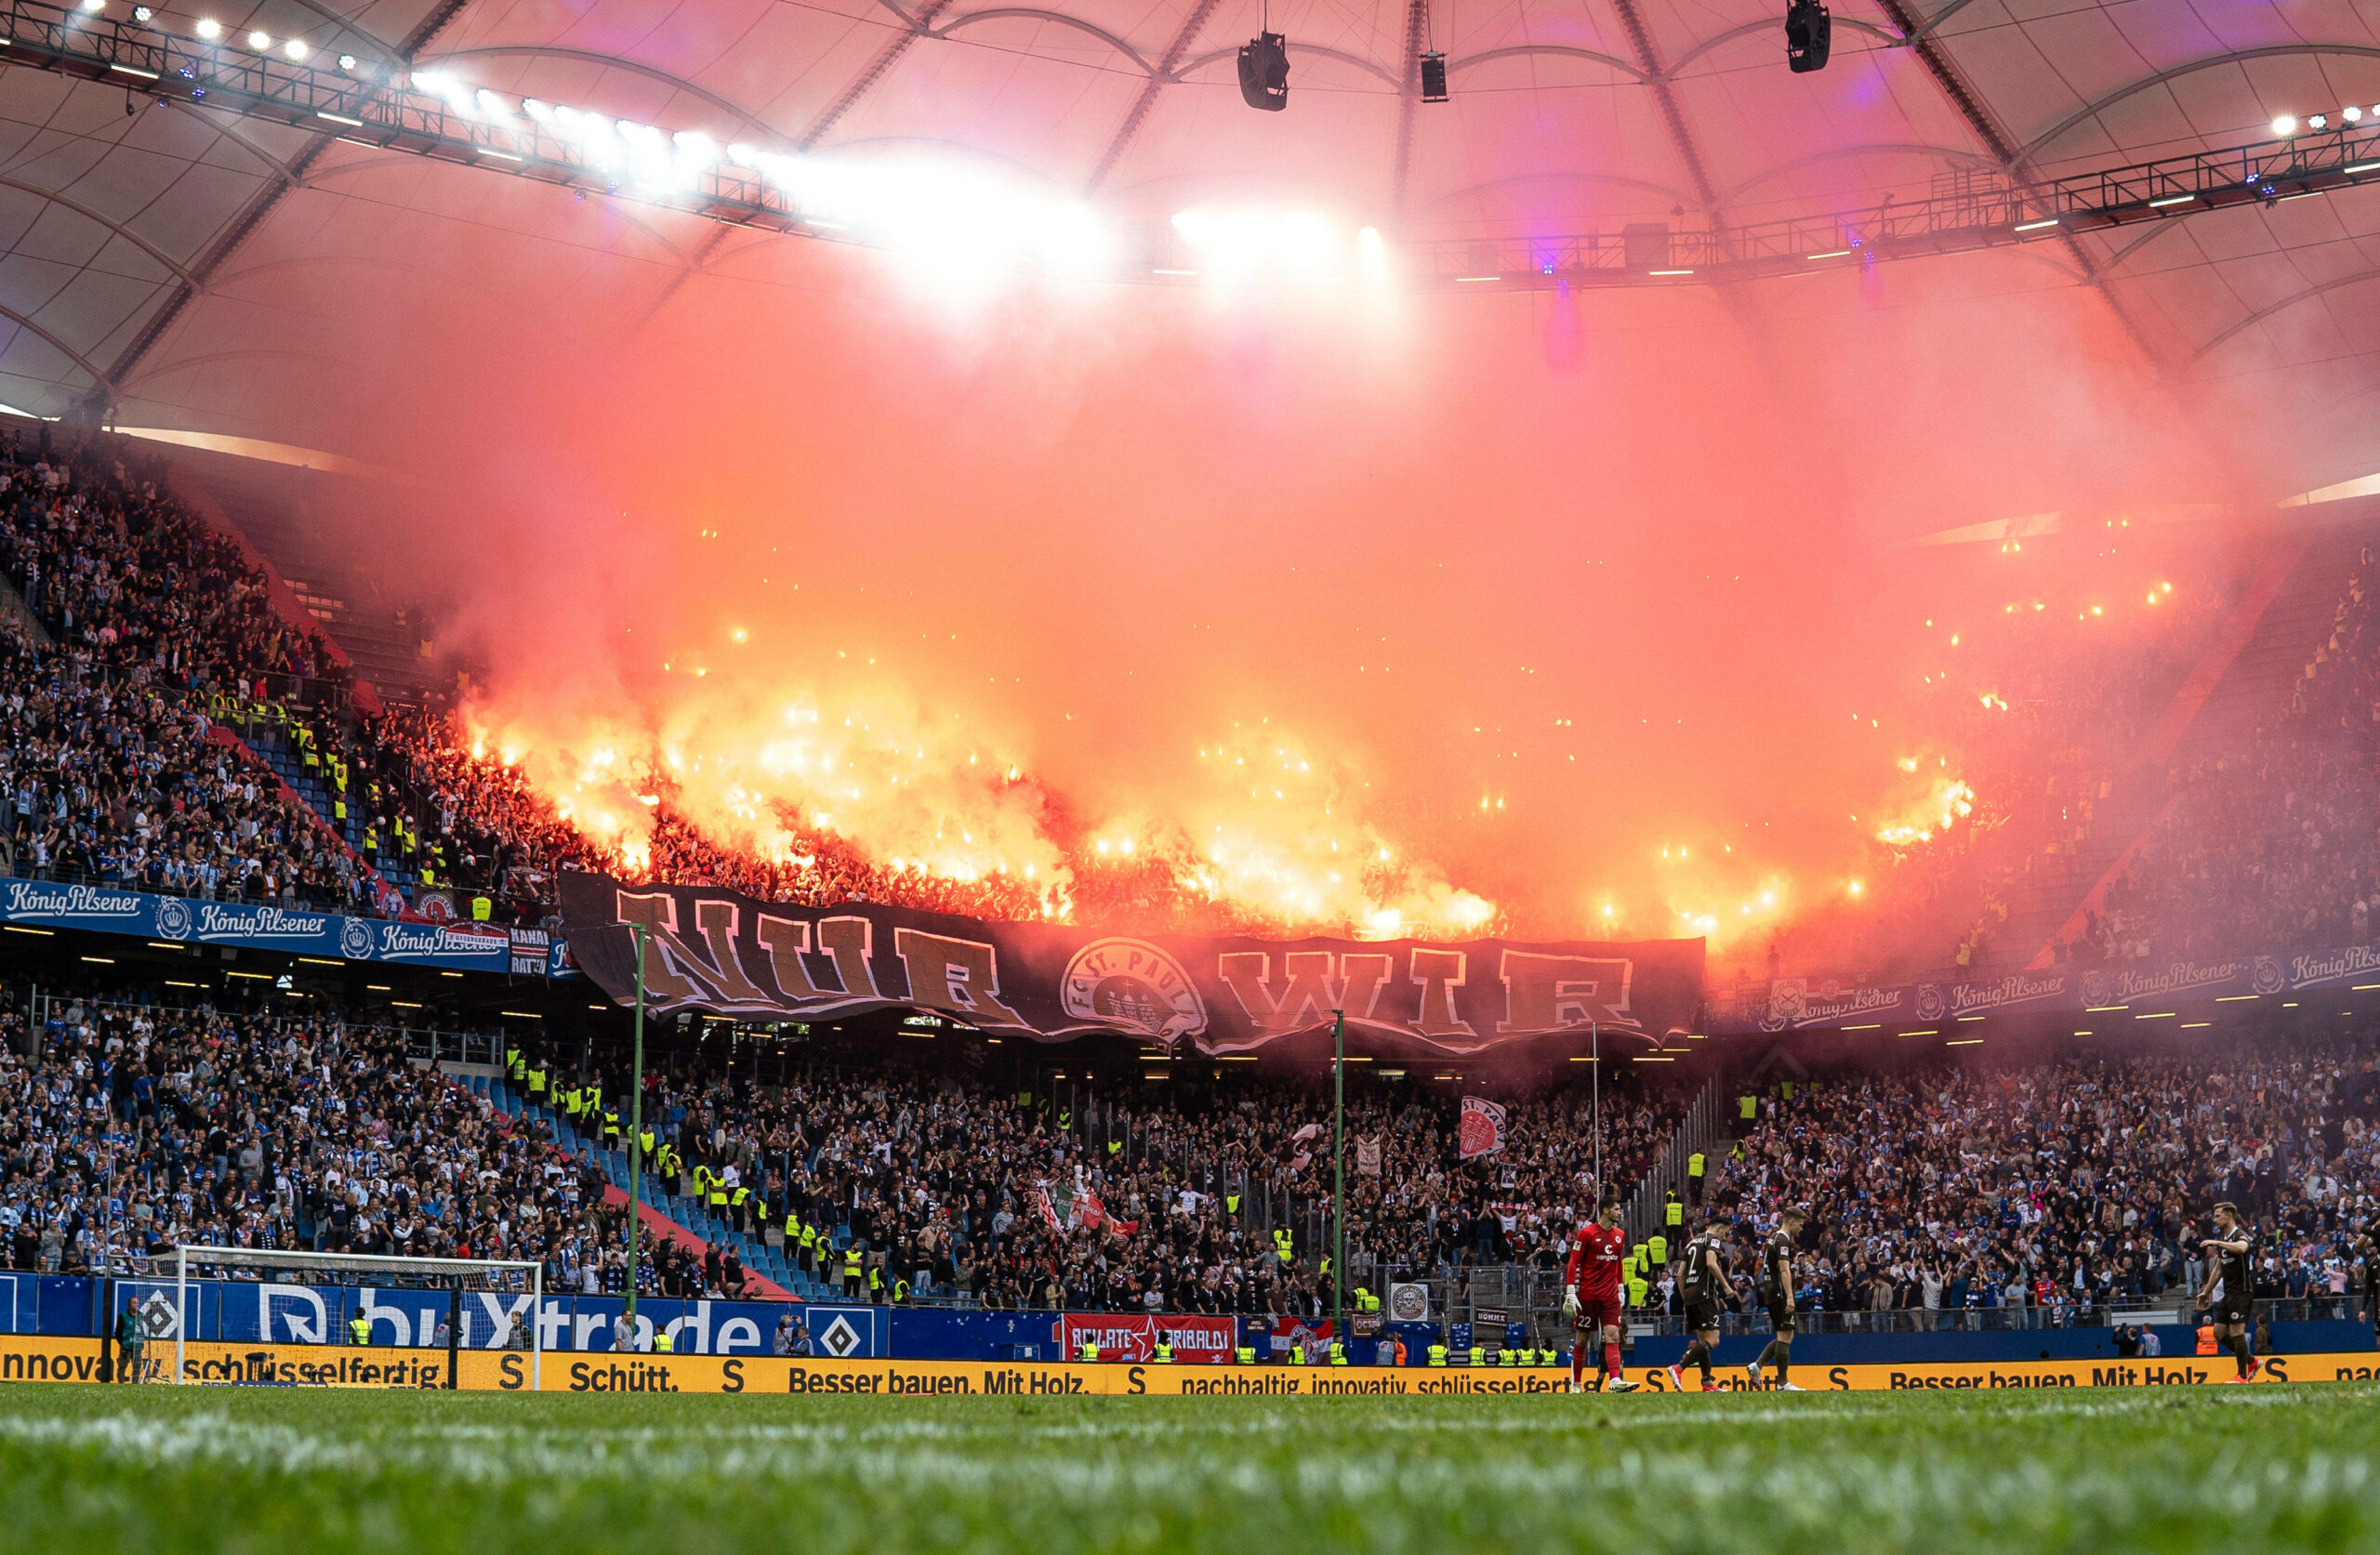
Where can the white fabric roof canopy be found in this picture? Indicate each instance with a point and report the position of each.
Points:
(1558, 122)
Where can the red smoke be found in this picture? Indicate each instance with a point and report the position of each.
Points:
(1523, 589)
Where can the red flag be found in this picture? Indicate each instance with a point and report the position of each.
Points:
(1482, 1132)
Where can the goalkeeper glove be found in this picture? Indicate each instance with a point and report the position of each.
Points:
(1569, 1300)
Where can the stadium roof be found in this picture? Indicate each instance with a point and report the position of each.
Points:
(147, 242)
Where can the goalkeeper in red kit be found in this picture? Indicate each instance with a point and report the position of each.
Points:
(1591, 1298)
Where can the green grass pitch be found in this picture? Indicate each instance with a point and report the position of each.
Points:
(154, 1471)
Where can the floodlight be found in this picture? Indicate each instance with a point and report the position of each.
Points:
(1809, 36)
(209, 28)
(1264, 72)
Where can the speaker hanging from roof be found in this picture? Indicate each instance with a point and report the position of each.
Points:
(1809, 34)
(1433, 77)
(1264, 72)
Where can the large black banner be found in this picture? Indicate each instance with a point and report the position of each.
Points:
(720, 953)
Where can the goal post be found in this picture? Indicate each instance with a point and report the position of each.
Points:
(390, 1290)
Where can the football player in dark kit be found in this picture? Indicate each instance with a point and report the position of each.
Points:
(1701, 1280)
(2372, 1277)
(1776, 1294)
(2231, 1293)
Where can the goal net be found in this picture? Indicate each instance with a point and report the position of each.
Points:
(257, 1297)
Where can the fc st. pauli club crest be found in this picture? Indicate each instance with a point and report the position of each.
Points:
(1132, 982)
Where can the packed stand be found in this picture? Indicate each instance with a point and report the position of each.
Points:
(2082, 1184)
(2276, 847)
(1189, 1195)
(2038, 713)
(137, 589)
(113, 770)
(137, 1127)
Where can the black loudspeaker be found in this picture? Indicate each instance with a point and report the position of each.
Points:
(1264, 72)
(1809, 34)
(1433, 78)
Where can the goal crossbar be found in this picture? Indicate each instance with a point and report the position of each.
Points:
(438, 1271)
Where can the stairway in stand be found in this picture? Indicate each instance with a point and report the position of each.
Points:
(691, 1222)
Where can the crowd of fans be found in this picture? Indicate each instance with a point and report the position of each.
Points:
(115, 566)
(2041, 709)
(2277, 846)
(117, 781)
(1183, 1195)
(117, 769)
(127, 1128)
(111, 770)
(2083, 1183)
(820, 869)
(133, 1127)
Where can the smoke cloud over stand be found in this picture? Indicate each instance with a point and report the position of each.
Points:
(1364, 612)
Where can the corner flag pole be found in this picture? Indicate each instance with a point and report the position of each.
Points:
(1338, 1174)
(636, 1131)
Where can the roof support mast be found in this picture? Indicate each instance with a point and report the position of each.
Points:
(1919, 39)
(1689, 151)
(1164, 76)
(1409, 97)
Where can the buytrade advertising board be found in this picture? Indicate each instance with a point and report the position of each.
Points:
(79, 1359)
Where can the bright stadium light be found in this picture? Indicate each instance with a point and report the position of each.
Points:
(209, 29)
(1075, 241)
(954, 216)
(94, 8)
(2285, 125)
(1298, 244)
(260, 40)
(295, 49)
(141, 13)
(347, 62)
